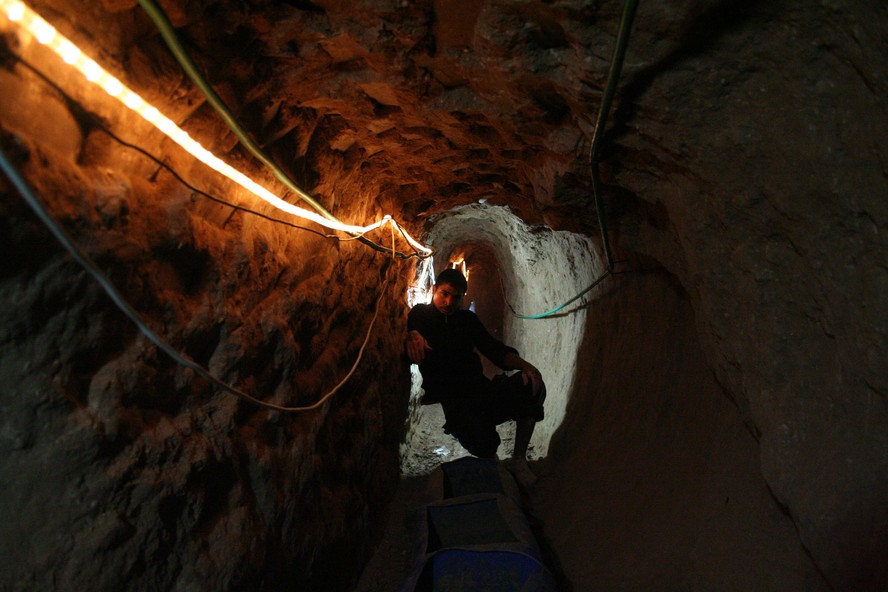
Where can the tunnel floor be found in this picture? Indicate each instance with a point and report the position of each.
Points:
(396, 554)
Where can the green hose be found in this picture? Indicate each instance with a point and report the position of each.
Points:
(549, 313)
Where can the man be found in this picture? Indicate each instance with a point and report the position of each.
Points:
(442, 338)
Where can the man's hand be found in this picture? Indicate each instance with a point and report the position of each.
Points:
(416, 346)
(529, 373)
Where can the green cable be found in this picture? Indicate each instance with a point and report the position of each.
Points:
(549, 313)
(609, 89)
(165, 28)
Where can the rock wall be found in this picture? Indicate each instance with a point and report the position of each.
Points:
(653, 481)
(752, 138)
(121, 469)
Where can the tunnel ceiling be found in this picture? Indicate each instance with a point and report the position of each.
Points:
(425, 105)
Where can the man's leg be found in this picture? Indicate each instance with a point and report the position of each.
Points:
(520, 468)
(523, 432)
(468, 421)
(516, 400)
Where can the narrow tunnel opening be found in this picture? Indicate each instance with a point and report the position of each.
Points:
(515, 270)
(485, 294)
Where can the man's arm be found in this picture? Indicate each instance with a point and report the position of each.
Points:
(502, 355)
(416, 346)
(415, 343)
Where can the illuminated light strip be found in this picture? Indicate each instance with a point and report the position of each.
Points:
(17, 12)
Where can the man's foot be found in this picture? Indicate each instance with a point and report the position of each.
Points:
(522, 473)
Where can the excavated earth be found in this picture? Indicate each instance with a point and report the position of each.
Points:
(718, 408)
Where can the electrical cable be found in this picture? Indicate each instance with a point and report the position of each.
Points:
(210, 196)
(84, 260)
(609, 90)
(165, 27)
(42, 31)
(95, 121)
(551, 312)
(323, 399)
(612, 78)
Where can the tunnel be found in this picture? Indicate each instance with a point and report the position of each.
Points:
(511, 267)
(216, 216)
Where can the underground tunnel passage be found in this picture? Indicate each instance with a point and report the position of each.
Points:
(719, 420)
(511, 268)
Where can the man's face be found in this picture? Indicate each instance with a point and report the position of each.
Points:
(446, 298)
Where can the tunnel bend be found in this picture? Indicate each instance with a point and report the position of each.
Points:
(533, 269)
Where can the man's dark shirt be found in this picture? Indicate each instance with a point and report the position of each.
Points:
(452, 368)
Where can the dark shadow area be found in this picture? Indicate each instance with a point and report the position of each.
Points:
(653, 482)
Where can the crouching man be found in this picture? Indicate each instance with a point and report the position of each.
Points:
(441, 339)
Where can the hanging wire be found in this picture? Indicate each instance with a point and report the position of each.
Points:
(549, 313)
(597, 137)
(332, 392)
(43, 32)
(162, 22)
(84, 260)
(209, 196)
(96, 122)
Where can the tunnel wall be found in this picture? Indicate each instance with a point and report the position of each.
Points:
(745, 154)
(121, 469)
(540, 270)
(653, 481)
(757, 178)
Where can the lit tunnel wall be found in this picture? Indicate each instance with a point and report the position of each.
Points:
(121, 469)
(540, 269)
